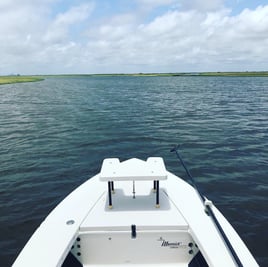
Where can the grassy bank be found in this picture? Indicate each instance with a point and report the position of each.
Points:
(23, 79)
(227, 74)
(236, 74)
(19, 79)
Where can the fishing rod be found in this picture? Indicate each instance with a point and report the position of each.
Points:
(208, 209)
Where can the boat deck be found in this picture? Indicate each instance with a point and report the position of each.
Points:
(128, 210)
(134, 226)
(141, 232)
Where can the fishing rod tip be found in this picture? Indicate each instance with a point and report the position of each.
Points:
(175, 148)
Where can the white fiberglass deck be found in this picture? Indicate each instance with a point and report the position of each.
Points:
(161, 234)
(141, 231)
(134, 230)
(128, 210)
(152, 169)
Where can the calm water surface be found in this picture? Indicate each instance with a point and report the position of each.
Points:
(54, 135)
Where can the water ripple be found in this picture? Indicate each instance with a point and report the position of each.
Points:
(55, 134)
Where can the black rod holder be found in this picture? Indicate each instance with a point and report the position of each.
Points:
(157, 194)
(154, 185)
(110, 186)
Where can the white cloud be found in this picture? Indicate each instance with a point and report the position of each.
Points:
(20, 28)
(58, 30)
(186, 38)
(150, 4)
(74, 14)
(192, 39)
(30, 37)
(202, 5)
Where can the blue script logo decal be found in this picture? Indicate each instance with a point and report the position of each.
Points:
(166, 243)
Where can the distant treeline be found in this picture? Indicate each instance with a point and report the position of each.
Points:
(35, 78)
(246, 73)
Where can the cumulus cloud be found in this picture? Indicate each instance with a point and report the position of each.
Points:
(190, 40)
(58, 29)
(74, 14)
(33, 39)
(187, 37)
(151, 4)
(202, 5)
(20, 26)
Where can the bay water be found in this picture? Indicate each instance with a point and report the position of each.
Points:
(54, 135)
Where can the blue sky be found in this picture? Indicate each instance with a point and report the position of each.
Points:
(129, 36)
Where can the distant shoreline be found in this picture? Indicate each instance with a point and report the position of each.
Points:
(36, 78)
(227, 74)
(19, 79)
(236, 74)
